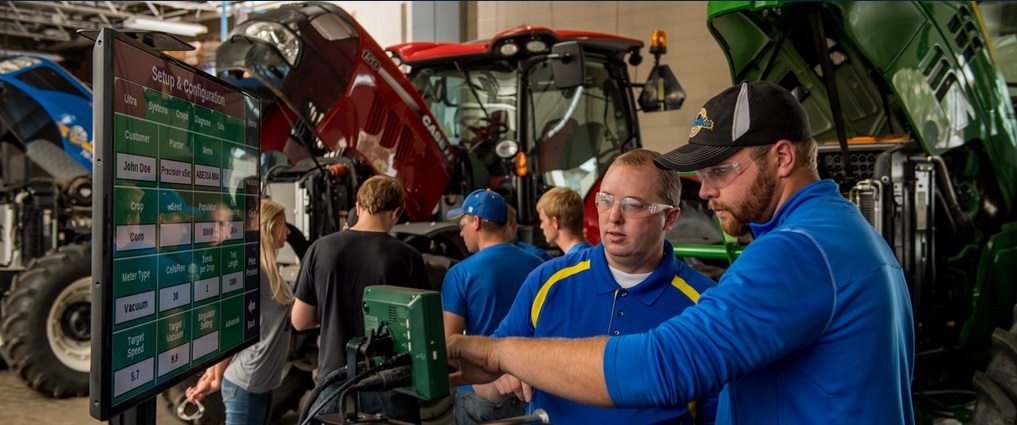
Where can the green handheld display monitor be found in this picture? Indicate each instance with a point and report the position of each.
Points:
(176, 258)
(414, 319)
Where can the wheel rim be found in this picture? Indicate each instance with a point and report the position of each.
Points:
(65, 328)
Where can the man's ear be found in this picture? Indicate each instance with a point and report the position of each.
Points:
(787, 158)
(395, 213)
(671, 217)
(556, 223)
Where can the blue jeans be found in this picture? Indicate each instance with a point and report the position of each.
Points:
(244, 407)
(471, 409)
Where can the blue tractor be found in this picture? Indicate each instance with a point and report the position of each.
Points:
(45, 235)
(45, 225)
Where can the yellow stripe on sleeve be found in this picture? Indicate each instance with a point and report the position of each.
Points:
(538, 301)
(686, 289)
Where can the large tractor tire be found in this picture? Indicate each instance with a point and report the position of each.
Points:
(46, 325)
(996, 388)
(290, 395)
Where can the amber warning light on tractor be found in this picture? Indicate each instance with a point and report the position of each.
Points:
(658, 42)
(521, 164)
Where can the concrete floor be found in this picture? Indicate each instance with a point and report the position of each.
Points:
(20, 405)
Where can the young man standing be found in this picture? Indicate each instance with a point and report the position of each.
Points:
(478, 291)
(561, 219)
(333, 275)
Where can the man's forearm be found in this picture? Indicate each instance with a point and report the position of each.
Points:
(569, 368)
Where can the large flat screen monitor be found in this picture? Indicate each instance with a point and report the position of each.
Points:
(175, 259)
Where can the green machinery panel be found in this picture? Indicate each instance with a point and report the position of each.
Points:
(414, 318)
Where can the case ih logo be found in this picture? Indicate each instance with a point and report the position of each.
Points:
(438, 137)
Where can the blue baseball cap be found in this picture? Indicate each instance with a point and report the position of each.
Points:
(483, 203)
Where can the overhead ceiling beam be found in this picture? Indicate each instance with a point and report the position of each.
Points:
(47, 20)
(84, 8)
(32, 35)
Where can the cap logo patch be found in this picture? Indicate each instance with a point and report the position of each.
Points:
(702, 121)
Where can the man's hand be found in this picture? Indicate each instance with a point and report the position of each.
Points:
(475, 357)
(510, 385)
(504, 388)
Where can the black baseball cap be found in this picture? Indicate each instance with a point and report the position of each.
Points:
(748, 114)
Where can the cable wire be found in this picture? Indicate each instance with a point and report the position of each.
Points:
(387, 364)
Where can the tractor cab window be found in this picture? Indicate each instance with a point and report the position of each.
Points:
(44, 78)
(577, 131)
(476, 108)
(473, 106)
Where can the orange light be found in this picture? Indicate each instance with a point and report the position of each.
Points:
(658, 42)
(521, 164)
(870, 139)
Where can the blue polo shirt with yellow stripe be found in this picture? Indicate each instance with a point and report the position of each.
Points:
(576, 296)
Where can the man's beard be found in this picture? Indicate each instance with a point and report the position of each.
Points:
(755, 207)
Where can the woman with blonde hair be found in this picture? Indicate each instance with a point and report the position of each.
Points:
(248, 378)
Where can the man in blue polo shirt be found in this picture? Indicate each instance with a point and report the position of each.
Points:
(628, 284)
(478, 291)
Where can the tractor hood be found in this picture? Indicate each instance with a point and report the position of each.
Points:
(330, 89)
(898, 70)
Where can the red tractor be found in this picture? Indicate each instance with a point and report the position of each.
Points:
(529, 109)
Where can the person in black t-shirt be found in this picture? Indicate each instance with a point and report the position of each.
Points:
(333, 275)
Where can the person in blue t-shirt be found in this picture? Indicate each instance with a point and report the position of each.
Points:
(478, 291)
(512, 233)
(628, 284)
(812, 324)
(561, 219)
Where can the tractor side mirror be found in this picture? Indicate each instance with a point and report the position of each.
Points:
(661, 91)
(567, 65)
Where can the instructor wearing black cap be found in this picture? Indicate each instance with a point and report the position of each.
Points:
(812, 323)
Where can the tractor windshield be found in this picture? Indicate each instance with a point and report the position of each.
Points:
(476, 108)
(571, 135)
(577, 131)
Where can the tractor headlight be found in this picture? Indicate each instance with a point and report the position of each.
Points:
(506, 148)
(277, 35)
(508, 49)
(536, 46)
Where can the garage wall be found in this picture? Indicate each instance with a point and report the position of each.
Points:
(692, 53)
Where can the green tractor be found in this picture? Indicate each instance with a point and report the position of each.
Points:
(916, 123)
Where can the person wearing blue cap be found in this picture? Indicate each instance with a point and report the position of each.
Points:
(478, 291)
(812, 324)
